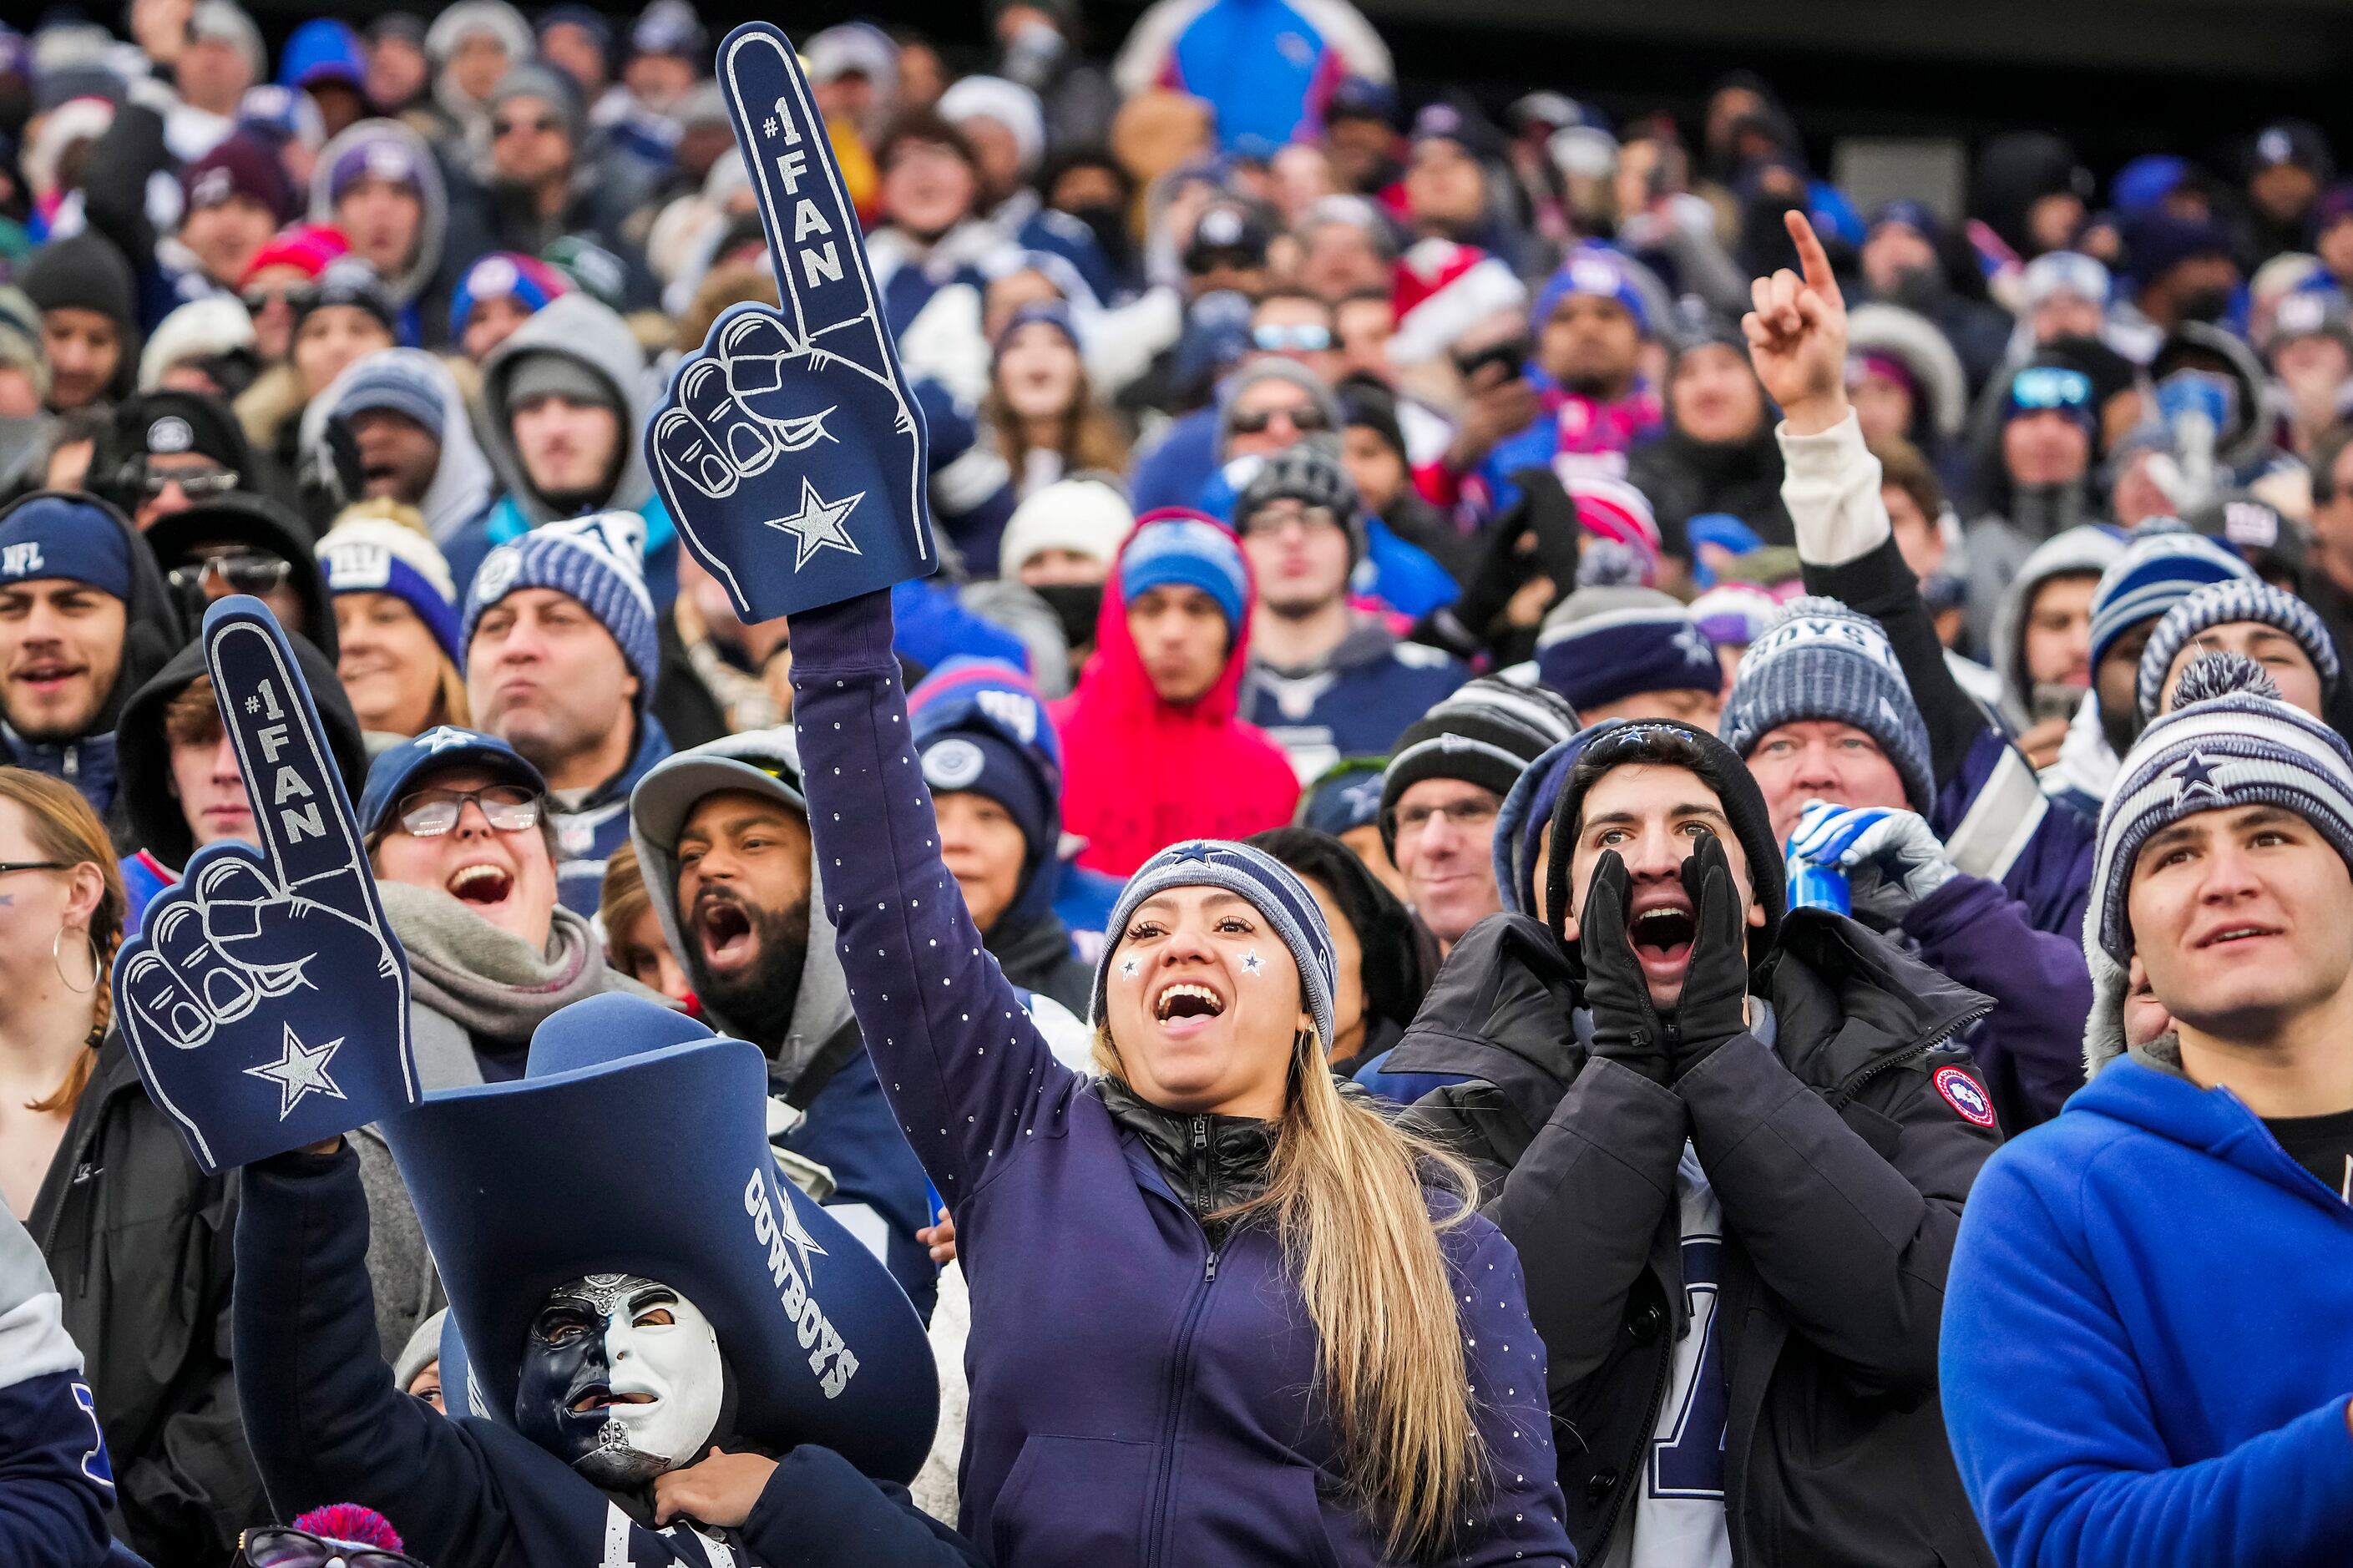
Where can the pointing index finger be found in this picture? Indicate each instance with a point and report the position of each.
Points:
(1812, 259)
(309, 833)
(823, 282)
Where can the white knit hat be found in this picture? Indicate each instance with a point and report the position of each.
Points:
(1086, 516)
(213, 325)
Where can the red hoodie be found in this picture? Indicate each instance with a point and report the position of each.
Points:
(1142, 773)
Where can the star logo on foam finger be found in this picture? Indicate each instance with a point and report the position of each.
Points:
(817, 525)
(300, 1069)
(2194, 775)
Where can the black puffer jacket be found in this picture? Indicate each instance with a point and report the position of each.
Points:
(1841, 1170)
(139, 1242)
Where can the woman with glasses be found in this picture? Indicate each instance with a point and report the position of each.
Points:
(137, 1238)
(1040, 408)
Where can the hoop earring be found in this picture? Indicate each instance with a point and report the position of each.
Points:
(57, 960)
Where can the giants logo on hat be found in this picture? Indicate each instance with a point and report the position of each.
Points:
(1013, 711)
(170, 434)
(952, 764)
(352, 568)
(1965, 1095)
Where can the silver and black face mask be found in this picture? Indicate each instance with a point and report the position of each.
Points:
(622, 1379)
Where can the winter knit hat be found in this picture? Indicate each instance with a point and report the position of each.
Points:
(1486, 733)
(1176, 546)
(550, 86)
(1735, 613)
(1821, 660)
(973, 761)
(1596, 270)
(1273, 888)
(1344, 798)
(1311, 473)
(1086, 516)
(2219, 603)
(346, 281)
(501, 274)
(598, 561)
(2231, 742)
(238, 167)
(310, 249)
(1608, 642)
(377, 555)
(393, 380)
(53, 534)
(379, 153)
(1617, 742)
(1614, 509)
(200, 329)
(1292, 371)
(2157, 571)
(1009, 104)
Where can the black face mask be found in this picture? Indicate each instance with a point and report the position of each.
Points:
(760, 997)
(2205, 304)
(1916, 288)
(1108, 224)
(1076, 605)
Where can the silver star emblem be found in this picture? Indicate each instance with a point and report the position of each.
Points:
(817, 525)
(300, 1069)
(437, 741)
(1694, 645)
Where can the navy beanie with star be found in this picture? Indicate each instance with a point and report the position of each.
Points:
(2160, 567)
(2223, 603)
(598, 561)
(1818, 660)
(2229, 741)
(1608, 642)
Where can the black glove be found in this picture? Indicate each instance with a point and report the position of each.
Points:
(1626, 1027)
(1712, 1007)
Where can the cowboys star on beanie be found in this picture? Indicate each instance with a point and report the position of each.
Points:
(598, 561)
(2229, 741)
(1311, 473)
(1821, 660)
(2221, 603)
(377, 555)
(1177, 547)
(1610, 641)
(1269, 887)
(2157, 570)
(1486, 733)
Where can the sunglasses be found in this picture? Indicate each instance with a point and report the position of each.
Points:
(1306, 337)
(197, 484)
(2050, 386)
(1307, 419)
(539, 126)
(257, 301)
(238, 571)
(430, 813)
(1229, 257)
(275, 1546)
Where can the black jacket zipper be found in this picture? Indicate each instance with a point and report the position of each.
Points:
(1201, 1195)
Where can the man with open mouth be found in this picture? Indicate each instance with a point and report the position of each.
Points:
(2141, 1328)
(1731, 1146)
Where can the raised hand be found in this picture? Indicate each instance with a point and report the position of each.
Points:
(1626, 1026)
(789, 451)
(266, 1003)
(1892, 858)
(1796, 336)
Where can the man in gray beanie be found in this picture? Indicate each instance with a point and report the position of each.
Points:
(1326, 680)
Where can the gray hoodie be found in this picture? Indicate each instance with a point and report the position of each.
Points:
(434, 223)
(2085, 548)
(579, 328)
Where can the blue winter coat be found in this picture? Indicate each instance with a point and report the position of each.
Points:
(2145, 1354)
(1137, 1394)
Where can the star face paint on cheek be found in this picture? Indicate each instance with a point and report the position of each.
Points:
(1130, 969)
(1252, 965)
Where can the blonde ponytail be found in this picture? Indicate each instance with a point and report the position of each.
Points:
(1346, 1192)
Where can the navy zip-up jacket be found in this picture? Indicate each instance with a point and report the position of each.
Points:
(1137, 1396)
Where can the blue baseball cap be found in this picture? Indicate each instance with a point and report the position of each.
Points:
(437, 751)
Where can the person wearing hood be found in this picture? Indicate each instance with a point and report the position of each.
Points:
(721, 834)
(496, 295)
(136, 1236)
(2042, 643)
(2048, 439)
(1717, 452)
(393, 427)
(88, 302)
(379, 183)
(1733, 1176)
(992, 761)
(544, 184)
(401, 660)
(2309, 352)
(1903, 263)
(563, 400)
(561, 661)
(2030, 188)
(2158, 569)
(85, 619)
(1326, 680)
(2199, 1180)
(2181, 269)
(2209, 392)
(472, 45)
(181, 788)
(1171, 647)
(1383, 958)
(1906, 383)
(242, 544)
(164, 452)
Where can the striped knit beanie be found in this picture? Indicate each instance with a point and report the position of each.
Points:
(1821, 660)
(1610, 641)
(1486, 733)
(2158, 569)
(1614, 509)
(2232, 743)
(598, 561)
(2221, 603)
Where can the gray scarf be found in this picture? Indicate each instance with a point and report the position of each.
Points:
(486, 980)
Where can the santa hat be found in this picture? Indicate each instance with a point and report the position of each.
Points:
(1442, 289)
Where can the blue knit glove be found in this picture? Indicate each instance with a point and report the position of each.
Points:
(1892, 859)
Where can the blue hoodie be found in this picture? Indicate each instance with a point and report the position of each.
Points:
(2145, 1357)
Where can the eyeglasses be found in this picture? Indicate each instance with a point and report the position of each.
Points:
(500, 129)
(1466, 815)
(197, 484)
(275, 1546)
(1305, 337)
(2050, 386)
(8, 866)
(238, 571)
(257, 301)
(1277, 515)
(430, 813)
(1307, 419)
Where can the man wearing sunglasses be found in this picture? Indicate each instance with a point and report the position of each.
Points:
(168, 450)
(1294, 324)
(542, 186)
(241, 542)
